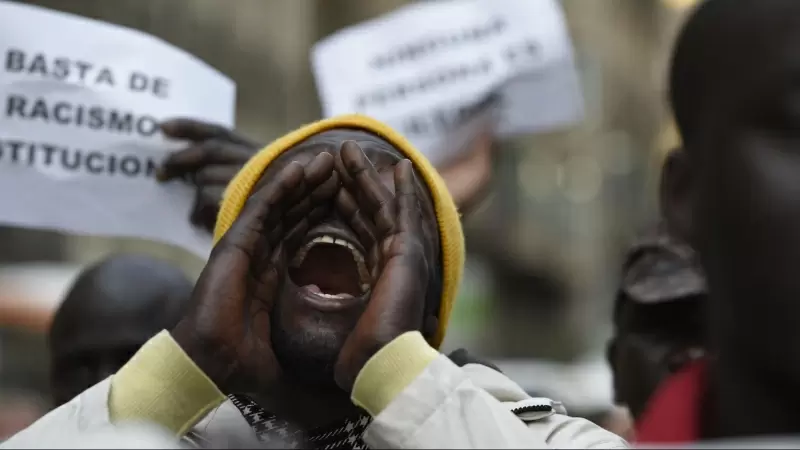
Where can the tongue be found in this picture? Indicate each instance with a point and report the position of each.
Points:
(330, 269)
(313, 288)
(316, 290)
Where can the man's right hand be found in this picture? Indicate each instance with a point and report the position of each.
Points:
(227, 331)
(213, 157)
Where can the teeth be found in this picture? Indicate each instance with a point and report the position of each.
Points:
(322, 294)
(363, 272)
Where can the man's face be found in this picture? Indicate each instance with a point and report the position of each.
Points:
(328, 285)
(746, 206)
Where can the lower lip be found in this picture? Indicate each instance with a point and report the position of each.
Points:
(328, 304)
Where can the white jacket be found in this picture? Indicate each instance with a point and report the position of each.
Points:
(447, 406)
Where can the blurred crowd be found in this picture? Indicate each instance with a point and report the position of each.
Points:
(318, 320)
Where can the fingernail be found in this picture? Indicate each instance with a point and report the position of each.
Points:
(167, 127)
(351, 145)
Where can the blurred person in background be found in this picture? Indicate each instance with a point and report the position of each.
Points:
(285, 312)
(212, 157)
(111, 310)
(733, 193)
(658, 317)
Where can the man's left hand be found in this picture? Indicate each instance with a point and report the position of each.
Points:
(397, 300)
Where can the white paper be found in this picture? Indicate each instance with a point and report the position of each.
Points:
(416, 67)
(53, 62)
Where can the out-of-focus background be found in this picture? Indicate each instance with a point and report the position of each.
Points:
(545, 247)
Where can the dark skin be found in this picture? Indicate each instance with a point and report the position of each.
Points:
(113, 308)
(296, 337)
(734, 193)
(214, 155)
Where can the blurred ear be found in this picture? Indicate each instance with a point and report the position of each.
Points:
(468, 177)
(676, 194)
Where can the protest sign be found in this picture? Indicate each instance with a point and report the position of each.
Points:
(79, 136)
(424, 67)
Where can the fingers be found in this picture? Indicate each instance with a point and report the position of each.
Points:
(377, 200)
(195, 157)
(294, 237)
(365, 230)
(349, 209)
(314, 195)
(247, 232)
(317, 187)
(308, 202)
(206, 206)
(347, 180)
(195, 130)
(408, 210)
(319, 170)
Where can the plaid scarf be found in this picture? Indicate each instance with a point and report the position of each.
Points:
(277, 433)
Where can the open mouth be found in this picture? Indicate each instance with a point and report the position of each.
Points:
(331, 267)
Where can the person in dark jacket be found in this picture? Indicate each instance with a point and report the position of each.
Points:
(733, 193)
(657, 317)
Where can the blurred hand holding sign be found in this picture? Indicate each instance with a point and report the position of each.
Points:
(79, 135)
(427, 68)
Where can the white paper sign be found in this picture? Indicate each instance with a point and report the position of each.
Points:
(79, 139)
(425, 66)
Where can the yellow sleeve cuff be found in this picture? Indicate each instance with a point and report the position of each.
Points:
(391, 370)
(161, 384)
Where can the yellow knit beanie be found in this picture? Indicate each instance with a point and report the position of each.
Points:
(450, 234)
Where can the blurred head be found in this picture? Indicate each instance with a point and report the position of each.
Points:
(734, 191)
(113, 308)
(657, 318)
(306, 337)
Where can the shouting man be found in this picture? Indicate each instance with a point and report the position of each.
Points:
(338, 255)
